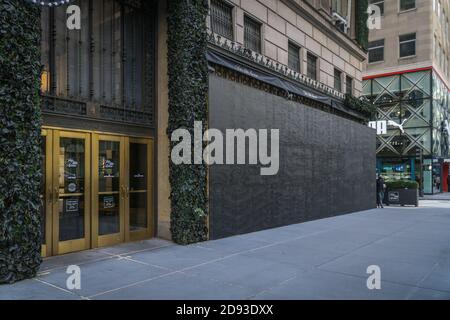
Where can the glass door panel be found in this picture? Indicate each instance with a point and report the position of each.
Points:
(138, 186)
(70, 191)
(108, 190)
(109, 187)
(138, 196)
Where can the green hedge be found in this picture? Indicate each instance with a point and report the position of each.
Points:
(402, 184)
(20, 129)
(358, 104)
(362, 31)
(188, 91)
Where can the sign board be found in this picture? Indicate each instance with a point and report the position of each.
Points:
(382, 126)
(108, 202)
(72, 187)
(394, 196)
(72, 205)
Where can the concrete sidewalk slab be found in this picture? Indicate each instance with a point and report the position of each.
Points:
(323, 259)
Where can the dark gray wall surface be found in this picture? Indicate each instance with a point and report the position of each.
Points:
(327, 163)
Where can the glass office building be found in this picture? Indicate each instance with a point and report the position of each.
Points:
(416, 146)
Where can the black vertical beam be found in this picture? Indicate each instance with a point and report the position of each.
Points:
(80, 60)
(102, 52)
(91, 49)
(124, 55)
(113, 53)
(133, 59)
(67, 42)
(52, 53)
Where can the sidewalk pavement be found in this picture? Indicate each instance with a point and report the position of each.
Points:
(323, 259)
(439, 196)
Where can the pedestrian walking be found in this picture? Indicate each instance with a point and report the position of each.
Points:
(438, 183)
(380, 191)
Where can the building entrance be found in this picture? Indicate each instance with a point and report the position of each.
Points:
(96, 190)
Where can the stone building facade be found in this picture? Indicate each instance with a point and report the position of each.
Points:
(106, 96)
(308, 27)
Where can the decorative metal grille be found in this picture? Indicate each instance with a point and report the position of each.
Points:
(217, 42)
(108, 64)
(61, 105)
(252, 34)
(222, 19)
(294, 57)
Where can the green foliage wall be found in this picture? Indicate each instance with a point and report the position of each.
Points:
(402, 184)
(188, 91)
(364, 107)
(20, 169)
(362, 31)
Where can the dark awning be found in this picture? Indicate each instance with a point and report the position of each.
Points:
(275, 81)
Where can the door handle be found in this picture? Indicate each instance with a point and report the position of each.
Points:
(127, 192)
(56, 195)
(50, 195)
(122, 188)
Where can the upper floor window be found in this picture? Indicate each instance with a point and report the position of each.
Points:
(340, 7)
(376, 51)
(348, 85)
(294, 57)
(343, 10)
(109, 64)
(407, 4)
(222, 19)
(379, 3)
(337, 80)
(311, 66)
(252, 34)
(407, 45)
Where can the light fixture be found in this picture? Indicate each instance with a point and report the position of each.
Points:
(49, 3)
(45, 81)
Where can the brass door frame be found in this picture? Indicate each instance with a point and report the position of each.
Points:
(108, 133)
(92, 240)
(47, 203)
(146, 233)
(62, 247)
(111, 239)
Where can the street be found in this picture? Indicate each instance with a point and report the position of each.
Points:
(322, 259)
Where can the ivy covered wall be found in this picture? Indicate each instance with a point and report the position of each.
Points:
(362, 31)
(188, 91)
(20, 129)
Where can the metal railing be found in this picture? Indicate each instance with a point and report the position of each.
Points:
(271, 64)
